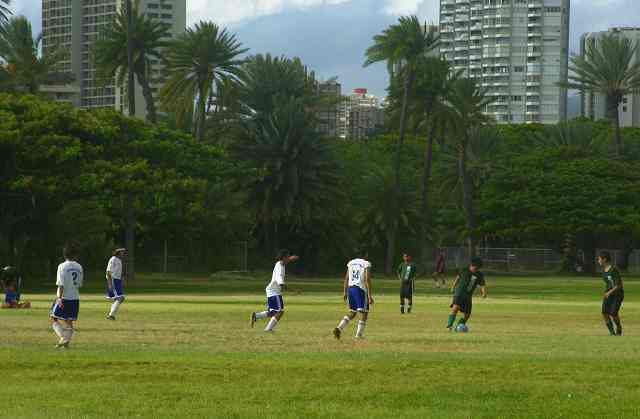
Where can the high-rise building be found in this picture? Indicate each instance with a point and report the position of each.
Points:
(517, 50)
(594, 105)
(360, 115)
(328, 115)
(75, 25)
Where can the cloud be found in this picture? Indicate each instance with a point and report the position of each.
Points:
(425, 9)
(227, 12)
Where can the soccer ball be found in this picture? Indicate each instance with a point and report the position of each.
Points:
(462, 328)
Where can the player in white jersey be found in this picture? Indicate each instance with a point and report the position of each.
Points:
(67, 304)
(115, 281)
(275, 303)
(357, 290)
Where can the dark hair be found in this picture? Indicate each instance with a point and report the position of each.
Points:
(605, 255)
(283, 253)
(477, 262)
(70, 251)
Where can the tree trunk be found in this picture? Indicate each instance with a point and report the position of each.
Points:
(589, 250)
(392, 234)
(467, 198)
(201, 113)
(148, 98)
(424, 206)
(131, 91)
(613, 104)
(130, 237)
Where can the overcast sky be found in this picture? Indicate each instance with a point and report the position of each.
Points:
(331, 35)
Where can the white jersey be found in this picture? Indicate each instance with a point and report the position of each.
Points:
(356, 271)
(70, 276)
(277, 280)
(115, 267)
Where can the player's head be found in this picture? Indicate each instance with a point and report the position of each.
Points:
(70, 251)
(406, 257)
(476, 263)
(283, 255)
(119, 252)
(604, 258)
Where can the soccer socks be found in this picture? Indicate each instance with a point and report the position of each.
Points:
(343, 323)
(114, 308)
(360, 331)
(409, 307)
(271, 325)
(262, 315)
(57, 327)
(402, 308)
(618, 326)
(462, 321)
(68, 334)
(609, 324)
(452, 319)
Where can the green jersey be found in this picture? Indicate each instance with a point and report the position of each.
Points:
(407, 271)
(612, 279)
(468, 282)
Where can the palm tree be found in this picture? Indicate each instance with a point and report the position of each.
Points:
(608, 68)
(466, 118)
(24, 69)
(571, 134)
(196, 60)
(401, 46)
(4, 11)
(111, 60)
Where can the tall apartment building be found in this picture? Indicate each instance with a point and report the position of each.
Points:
(75, 25)
(517, 50)
(594, 105)
(328, 115)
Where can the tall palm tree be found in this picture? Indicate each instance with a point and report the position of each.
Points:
(24, 69)
(4, 11)
(148, 38)
(608, 68)
(466, 105)
(401, 46)
(195, 61)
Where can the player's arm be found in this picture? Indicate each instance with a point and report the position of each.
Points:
(367, 279)
(345, 283)
(399, 272)
(617, 281)
(483, 291)
(109, 280)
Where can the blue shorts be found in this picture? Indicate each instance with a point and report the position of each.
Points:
(12, 297)
(117, 291)
(275, 303)
(358, 300)
(67, 311)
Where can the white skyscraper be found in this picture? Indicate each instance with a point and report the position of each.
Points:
(75, 25)
(516, 49)
(594, 106)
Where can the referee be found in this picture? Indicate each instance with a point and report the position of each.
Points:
(406, 272)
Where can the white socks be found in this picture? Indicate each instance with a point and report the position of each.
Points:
(361, 326)
(262, 315)
(114, 307)
(271, 325)
(344, 322)
(68, 334)
(57, 327)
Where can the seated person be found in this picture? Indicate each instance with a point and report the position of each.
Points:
(10, 280)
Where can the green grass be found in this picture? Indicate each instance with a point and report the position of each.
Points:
(183, 348)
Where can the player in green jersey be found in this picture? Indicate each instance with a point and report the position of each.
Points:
(463, 287)
(406, 273)
(613, 294)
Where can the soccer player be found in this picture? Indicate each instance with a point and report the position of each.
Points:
(406, 272)
(275, 303)
(613, 295)
(463, 288)
(439, 276)
(115, 281)
(357, 290)
(67, 304)
(11, 281)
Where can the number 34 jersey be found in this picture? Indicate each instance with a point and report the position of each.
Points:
(356, 271)
(70, 276)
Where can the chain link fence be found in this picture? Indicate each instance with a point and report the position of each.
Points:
(502, 259)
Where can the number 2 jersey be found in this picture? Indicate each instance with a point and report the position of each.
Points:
(356, 271)
(468, 282)
(70, 276)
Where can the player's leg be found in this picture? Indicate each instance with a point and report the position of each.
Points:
(344, 322)
(69, 331)
(276, 309)
(353, 297)
(615, 315)
(118, 291)
(465, 307)
(402, 297)
(455, 308)
(362, 324)
(606, 310)
(410, 296)
(443, 278)
(58, 330)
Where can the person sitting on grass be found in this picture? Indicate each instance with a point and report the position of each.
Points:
(463, 288)
(11, 280)
(613, 295)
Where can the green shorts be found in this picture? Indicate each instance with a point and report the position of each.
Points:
(464, 302)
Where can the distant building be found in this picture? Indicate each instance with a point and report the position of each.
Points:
(363, 115)
(328, 115)
(75, 25)
(594, 105)
(515, 49)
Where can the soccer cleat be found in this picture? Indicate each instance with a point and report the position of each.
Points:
(252, 321)
(110, 317)
(62, 344)
(336, 333)
(409, 310)
(619, 332)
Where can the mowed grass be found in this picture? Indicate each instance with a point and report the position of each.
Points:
(182, 347)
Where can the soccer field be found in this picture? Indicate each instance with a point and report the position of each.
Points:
(537, 348)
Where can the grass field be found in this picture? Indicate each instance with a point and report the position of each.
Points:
(182, 347)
